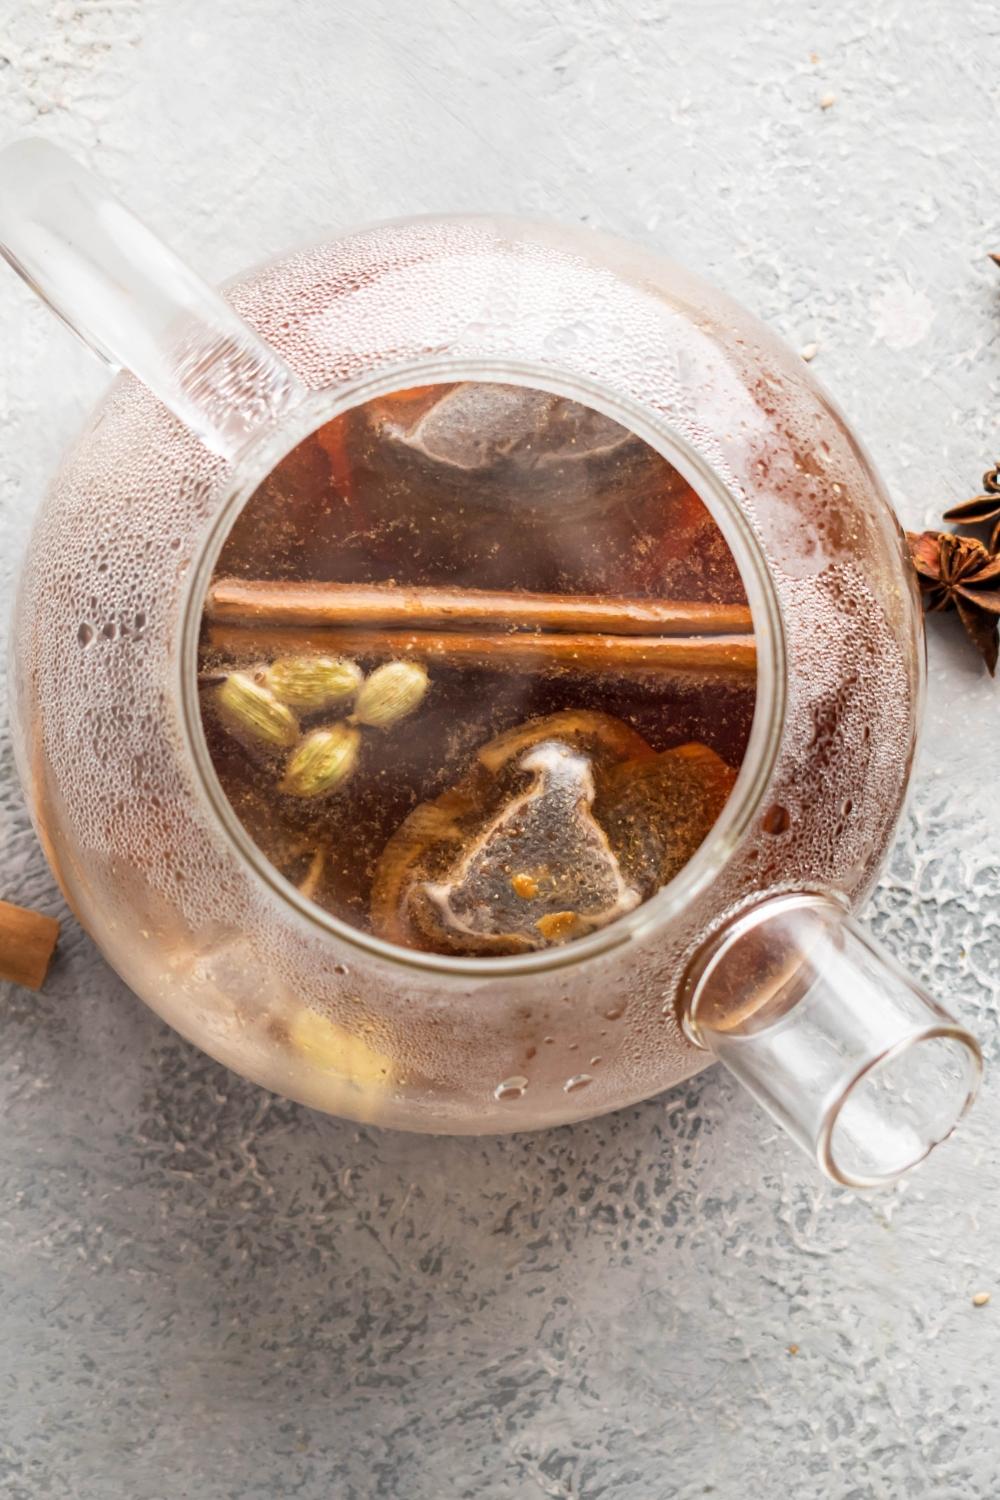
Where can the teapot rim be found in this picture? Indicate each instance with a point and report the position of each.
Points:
(274, 442)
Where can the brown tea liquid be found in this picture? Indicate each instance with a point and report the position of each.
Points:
(395, 812)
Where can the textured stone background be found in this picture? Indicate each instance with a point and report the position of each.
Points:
(210, 1293)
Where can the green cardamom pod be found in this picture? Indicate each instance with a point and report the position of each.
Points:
(312, 683)
(322, 762)
(390, 693)
(250, 712)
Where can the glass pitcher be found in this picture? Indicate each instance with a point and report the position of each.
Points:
(554, 353)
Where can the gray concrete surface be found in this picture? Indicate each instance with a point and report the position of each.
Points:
(209, 1293)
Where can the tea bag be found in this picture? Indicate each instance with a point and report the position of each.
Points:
(656, 812)
(561, 826)
(504, 486)
(510, 435)
(542, 871)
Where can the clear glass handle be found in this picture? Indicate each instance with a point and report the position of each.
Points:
(133, 302)
(832, 1037)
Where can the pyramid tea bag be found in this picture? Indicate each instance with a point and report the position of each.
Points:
(559, 827)
(513, 442)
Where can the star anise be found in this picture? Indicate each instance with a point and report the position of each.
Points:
(982, 509)
(959, 571)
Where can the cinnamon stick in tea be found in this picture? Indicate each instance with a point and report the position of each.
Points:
(239, 601)
(501, 650)
(26, 942)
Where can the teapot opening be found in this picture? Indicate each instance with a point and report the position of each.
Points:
(485, 670)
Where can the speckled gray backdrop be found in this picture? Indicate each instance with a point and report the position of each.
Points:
(209, 1293)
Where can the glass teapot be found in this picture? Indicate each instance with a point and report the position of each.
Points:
(530, 556)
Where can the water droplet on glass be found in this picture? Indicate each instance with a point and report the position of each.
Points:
(85, 634)
(594, 1061)
(578, 1081)
(340, 968)
(511, 1088)
(616, 1012)
(561, 340)
(777, 820)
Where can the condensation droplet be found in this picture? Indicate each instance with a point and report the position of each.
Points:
(578, 1081)
(616, 1012)
(85, 634)
(776, 820)
(340, 968)
(594, 1061)
(511, 1088)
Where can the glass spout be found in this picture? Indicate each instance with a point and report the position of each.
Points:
(134, 302)
(828, 1033)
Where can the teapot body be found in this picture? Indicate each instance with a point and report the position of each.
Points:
(107, 741)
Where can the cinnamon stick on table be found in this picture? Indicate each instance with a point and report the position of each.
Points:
(26, 943)
(564, 632)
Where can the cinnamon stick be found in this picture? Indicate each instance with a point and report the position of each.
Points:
(26, 943)
(510, 650)
(239, 601)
